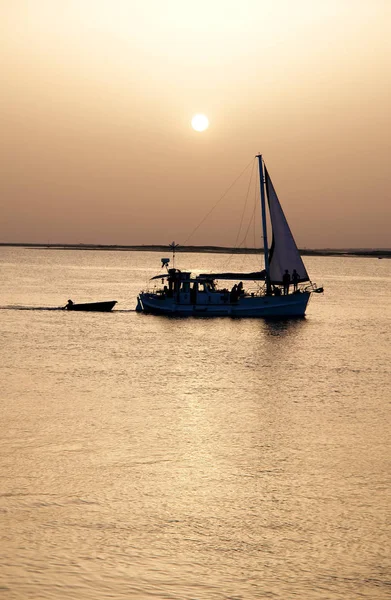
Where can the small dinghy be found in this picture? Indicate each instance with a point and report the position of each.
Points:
(91, 306)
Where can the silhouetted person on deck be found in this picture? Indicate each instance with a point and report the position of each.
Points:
(295, 279)
(69, 305)
(234, 293)
(286, 280)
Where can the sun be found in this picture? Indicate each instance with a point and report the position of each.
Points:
(200, 122)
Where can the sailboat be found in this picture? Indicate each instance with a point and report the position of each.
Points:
(284, 292)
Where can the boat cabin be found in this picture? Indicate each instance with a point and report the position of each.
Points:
(185, 289)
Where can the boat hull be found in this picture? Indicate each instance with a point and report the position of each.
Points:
(292, 305)
(93, 306)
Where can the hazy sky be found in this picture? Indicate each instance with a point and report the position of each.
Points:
(96, 99)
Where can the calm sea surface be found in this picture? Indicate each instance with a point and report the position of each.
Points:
(215, 459)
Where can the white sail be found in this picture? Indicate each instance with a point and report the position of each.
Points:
(283, 254)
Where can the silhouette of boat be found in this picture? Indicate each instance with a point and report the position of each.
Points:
(284, 287)
(91, 306)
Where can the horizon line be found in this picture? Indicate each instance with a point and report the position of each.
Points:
(188, 248)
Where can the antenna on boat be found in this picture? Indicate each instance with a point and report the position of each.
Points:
(173, 246)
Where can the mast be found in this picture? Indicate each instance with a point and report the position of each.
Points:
(264, 224)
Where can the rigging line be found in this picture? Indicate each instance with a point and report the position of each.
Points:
(218, 202)
(243, 213)
(248, 226)
(245, 204)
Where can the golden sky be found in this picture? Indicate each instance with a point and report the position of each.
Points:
(97, 97)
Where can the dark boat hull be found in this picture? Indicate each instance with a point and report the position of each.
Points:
(93, 306)
(291, 305)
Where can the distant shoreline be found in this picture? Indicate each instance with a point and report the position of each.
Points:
(375, 253)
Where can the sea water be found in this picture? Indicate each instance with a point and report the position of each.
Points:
(191, 459)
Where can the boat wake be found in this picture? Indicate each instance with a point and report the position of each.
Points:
(17, 307)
